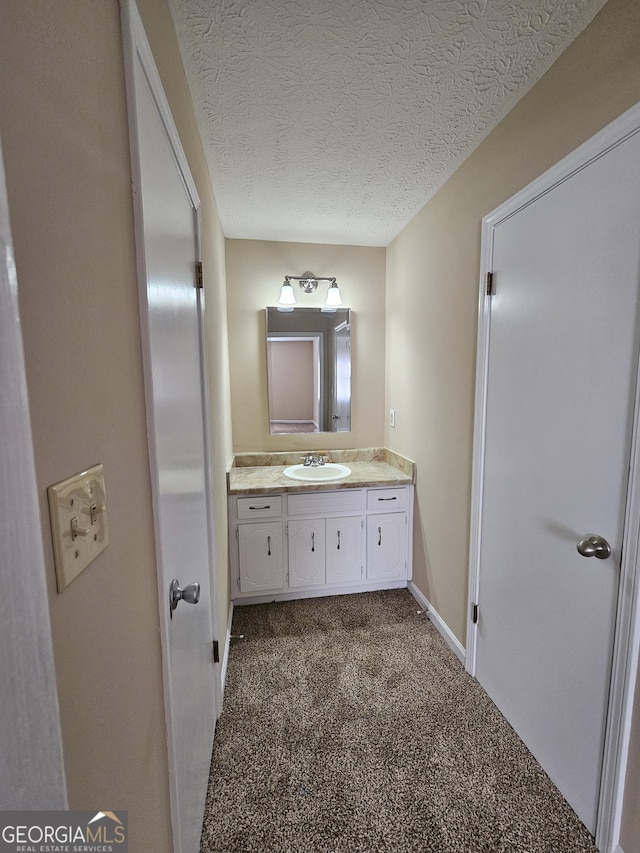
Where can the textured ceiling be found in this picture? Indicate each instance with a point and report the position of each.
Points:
(334, 121)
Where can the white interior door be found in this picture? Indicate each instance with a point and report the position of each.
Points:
(168, 245)
(31, 763)
(562, 366)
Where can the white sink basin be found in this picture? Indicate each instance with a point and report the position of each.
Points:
(317, 474)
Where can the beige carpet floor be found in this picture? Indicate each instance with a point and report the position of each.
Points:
(349, 725)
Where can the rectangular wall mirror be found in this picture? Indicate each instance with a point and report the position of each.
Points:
(309, 370)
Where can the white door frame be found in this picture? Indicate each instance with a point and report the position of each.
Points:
(218, 681)
(31, 764)
(341, 327)
(627, 634)
(136, 48)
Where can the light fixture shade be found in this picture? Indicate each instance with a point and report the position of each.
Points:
(287, 296)
(333, 295)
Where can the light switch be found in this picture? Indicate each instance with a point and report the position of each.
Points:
(78, 510)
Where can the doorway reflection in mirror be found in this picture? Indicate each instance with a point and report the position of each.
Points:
(309, 370)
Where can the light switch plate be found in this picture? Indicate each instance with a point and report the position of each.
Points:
(78, 510)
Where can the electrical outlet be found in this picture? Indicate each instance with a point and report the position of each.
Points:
(78, 511)
(392, 417)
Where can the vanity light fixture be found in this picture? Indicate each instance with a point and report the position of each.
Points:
(308, 283)
(287, 296)
(333, 294)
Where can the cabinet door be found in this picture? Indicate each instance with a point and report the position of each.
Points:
(344, 549)
(387, 545)
(306, 552)
(260, 554)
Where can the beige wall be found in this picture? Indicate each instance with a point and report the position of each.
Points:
(64, 128)
(65, 138)
(432, 290)
(255, 272)
(432, 286)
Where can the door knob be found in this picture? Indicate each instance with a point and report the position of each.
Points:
(594, 546)
(190, 594)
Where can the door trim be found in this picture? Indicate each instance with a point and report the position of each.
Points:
(136, 48)
(627, 632)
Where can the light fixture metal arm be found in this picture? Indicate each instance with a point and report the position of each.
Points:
(309, 284)
(308, 281)
(289, 278)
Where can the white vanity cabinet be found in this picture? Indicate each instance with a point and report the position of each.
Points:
(326, 542)
(259, 541)
(387, 545)
(306, 552)
(260, 557)
(325, 551)
(325, 545)
(344, 549)
(387, 540)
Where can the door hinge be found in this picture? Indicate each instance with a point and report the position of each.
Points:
(199, 274)
(216, 652)
(489, 284)
(474, 614)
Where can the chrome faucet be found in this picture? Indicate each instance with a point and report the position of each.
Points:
(312, 460)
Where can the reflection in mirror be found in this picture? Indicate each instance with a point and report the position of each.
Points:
(309, 370)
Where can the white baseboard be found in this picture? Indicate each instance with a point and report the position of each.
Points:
(225, 657)
(438, 622)
(322, 592)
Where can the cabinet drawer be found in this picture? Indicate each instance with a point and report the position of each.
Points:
(387, 500)
(312, 503)
(261, 506)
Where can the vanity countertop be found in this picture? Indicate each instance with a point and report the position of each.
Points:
(375, 467)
